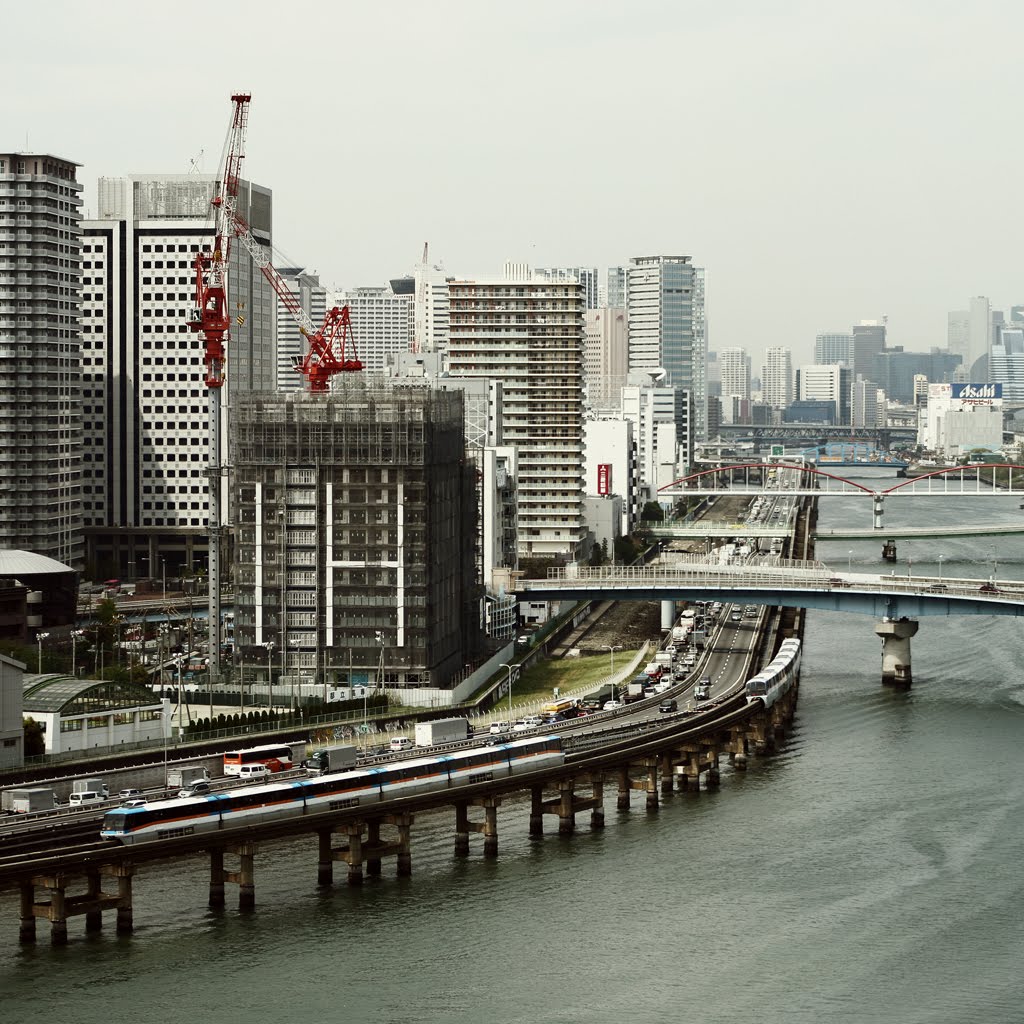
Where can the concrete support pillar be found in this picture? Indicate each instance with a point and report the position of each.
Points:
(27, 925)
(536, 810)
(216, 878)
(622, 803)
(878, 503)
(889, 551)
(597, 813)
(246, 876)
(373, 842)
(653, 800)
(566, 815)
(403, 822)
(125, 918)
(462, 829)
(355, 853)
(491, 828)
(896, 634)
(666, 774)
(325, 861)
(93, 917)
(58, 915)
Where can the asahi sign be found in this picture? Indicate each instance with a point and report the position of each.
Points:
(977, 394)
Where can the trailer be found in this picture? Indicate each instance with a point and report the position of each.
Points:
(331, 759)
(24, 801)
(184, 775)
(442, 730)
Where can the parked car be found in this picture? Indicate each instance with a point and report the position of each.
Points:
(669, 704)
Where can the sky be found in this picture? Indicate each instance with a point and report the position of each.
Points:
(825, 162)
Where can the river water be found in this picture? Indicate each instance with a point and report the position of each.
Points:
(869, 872)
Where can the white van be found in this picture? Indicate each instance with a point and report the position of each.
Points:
(89, 796)
(399, 743)
(253, 772)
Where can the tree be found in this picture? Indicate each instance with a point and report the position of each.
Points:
(652, 512)
(35, 745)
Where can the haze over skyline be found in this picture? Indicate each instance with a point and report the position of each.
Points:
(825, 164)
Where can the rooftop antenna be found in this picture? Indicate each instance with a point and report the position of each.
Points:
(195, 163)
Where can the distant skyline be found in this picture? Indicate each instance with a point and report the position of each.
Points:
(824, 163)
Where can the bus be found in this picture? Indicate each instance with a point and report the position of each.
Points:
(564, 707)
(276, 756)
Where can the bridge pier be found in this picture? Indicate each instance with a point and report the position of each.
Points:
(488, 827)
(60, 906)
(244, 877)
(896, 634)
(878, 507)
(889, 551)
(622, 801)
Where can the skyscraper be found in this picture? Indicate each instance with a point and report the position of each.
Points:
(868, 342)
(735, 364)
(146, 409)
(292, 346)
(833, 348)
(777, 377)
(382, 323)
(527, 335)
(665, 304)
(615, 290)
(40, 371)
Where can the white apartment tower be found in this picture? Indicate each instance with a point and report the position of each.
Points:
(40, 372)
(587, 276)
(777, 377)
(735, 369)
(146, 411)
(528, 336)
(292, 346)
(665, 303)
(382, 324)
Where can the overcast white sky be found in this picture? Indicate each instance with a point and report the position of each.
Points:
(825, 162)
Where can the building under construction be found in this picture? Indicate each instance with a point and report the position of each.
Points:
(355, 556)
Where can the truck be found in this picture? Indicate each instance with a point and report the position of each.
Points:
(184, 775)
(699, 639)
(664, 659)
(441, 730)
(22, 801)
(331, 759)
(679, 633)
(92, 785)
(635, 689)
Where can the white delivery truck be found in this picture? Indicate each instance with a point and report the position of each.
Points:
(441, 730)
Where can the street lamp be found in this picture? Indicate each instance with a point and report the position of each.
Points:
(849, 561)
(940, 567)
(611, 652)
(75, 634)
(165, 728)
(270, 645)
(508, 669)
(40, 637)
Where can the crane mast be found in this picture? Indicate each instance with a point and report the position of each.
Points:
(211, 320)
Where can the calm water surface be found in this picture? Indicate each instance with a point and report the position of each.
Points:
(868, 872)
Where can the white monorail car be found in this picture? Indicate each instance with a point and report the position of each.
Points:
(777, 676)
(253, 805)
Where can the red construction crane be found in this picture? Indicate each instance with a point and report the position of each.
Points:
(210, 316)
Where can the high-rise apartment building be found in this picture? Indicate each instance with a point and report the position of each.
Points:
(528, 336)
(292, 346)
(605, 354)
(735, 369)
(1006, 364)
(833, 348)
(665, 304)
(40, 372)
(586, 276)
(865, 405)
(382, 324)
(615, 289)
(777, 377)
(145, 408)
(662, 420)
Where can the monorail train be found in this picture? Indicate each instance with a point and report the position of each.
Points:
(777, 677)
(253, 805)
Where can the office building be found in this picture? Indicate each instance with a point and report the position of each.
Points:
(834, 348)
(960, 418)
(292, 346)
(826, 384)
(356, 540)
(40, 369)
(868, 342)
(662, 419)
(610, 465)
(430, 307)
(615, 289)
(145, 406)
(527, 335)
(970, 332)
(866, 406)
(895, 370)
(777, 377)
(1006, 364)
(665, 304)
